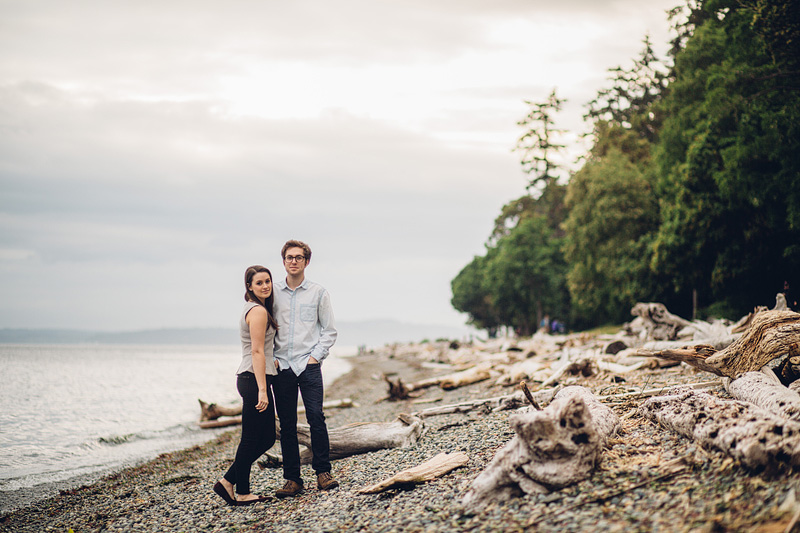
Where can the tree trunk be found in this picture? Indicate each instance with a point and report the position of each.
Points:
(772, 334)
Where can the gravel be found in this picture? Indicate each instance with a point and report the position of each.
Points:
(629, 491)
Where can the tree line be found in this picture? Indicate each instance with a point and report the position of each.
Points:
(689, 194)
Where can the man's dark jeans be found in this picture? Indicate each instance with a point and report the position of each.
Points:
(285, 386)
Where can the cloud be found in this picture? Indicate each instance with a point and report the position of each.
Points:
(149, 153)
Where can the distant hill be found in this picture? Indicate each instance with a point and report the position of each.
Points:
(369, 333)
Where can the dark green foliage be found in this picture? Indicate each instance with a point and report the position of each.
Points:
(628, 103)
(526, 273)
(523, 274)
(692, 184)
(471, 295)
(612, 217)
(729, 163)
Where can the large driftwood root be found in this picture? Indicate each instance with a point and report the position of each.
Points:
(658, 322)
(754, 436)
(358, 438)
(553, 448)
(434, 468)
(772, 334)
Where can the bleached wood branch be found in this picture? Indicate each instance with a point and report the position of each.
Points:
(429, 470)
(498, 403)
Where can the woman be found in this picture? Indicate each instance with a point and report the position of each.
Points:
(254, 380)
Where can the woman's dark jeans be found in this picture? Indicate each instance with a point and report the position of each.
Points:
(285, 386)
(258, 431)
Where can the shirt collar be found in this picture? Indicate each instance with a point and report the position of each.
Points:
(282, 285)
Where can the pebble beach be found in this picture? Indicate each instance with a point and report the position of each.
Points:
(632, 489)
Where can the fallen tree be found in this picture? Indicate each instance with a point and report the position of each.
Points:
(553, 448)
(754, 436)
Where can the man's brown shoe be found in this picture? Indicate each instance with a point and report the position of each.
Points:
(326, 482)
(291, 488)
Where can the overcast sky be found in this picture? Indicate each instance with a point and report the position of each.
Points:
(151, 150)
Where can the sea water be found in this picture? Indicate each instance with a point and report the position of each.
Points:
(75, 412)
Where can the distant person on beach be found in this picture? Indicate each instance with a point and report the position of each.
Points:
(306, 333)
(257, 328)
(544, 324)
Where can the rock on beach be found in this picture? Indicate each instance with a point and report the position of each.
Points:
(630, 490)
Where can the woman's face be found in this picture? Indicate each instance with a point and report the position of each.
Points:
(261, 285)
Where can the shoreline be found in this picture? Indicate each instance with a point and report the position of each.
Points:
(60, 477)
(173, 491)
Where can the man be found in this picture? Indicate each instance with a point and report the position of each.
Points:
(306, 332)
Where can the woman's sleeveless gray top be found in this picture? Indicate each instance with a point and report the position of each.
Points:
(247, 351)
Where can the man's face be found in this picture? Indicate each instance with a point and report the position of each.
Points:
(294, 261)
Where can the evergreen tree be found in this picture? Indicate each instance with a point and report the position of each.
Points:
(540, 142)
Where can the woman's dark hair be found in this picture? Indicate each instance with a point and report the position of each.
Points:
(250, 296)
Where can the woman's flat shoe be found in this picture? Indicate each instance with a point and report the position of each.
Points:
(223, 493)
(242, 503)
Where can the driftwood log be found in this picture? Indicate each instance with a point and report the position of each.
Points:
(555, 447)
(771, 334)
(429, 470)
(767, 392)
(358, 438)
(403, 391)
(211, 412)
(754, 436)
(491, 405)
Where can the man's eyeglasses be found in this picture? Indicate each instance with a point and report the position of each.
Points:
(294, 258)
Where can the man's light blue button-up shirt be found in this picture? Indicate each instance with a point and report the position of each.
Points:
(306, 324)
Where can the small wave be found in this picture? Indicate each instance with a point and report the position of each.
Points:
(116, 440)
(171, 432)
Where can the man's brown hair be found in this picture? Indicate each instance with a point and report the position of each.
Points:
(296, 244)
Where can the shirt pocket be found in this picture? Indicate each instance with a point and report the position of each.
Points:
(308, 313)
